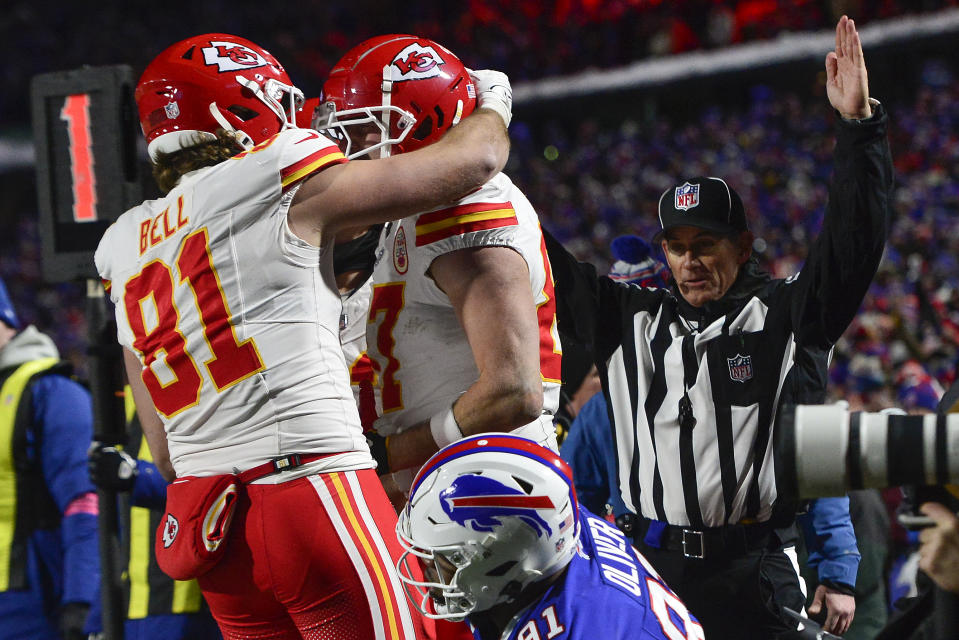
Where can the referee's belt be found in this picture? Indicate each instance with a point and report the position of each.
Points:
(728, 541)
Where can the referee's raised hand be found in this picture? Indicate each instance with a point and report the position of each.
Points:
(846, 83)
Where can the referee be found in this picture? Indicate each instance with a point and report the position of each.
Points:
(695, 374)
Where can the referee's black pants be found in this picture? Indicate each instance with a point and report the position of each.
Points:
(738, 597)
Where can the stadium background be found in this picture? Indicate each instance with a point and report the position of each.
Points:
(615, 100)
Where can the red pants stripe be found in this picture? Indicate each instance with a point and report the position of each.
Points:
(391, 614)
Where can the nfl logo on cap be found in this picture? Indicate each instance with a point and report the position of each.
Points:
(687, 196)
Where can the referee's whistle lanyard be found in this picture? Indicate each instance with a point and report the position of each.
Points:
(690, 370)
(687, 419)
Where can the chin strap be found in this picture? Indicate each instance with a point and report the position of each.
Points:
(387, 88)
(241, 137)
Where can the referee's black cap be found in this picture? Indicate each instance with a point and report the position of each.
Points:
(705, 202)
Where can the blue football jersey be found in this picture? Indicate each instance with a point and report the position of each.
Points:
(610, 592)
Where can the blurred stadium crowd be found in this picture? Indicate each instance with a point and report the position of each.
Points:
(528, 39)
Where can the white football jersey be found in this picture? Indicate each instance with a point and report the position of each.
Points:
(420, 352)
(353, 321)
(353, 340)
(234, 318)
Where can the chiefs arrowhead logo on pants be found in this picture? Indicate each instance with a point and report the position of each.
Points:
(170, 528)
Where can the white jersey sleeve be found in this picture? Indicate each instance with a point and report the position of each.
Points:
(233, 317)
(419, 349)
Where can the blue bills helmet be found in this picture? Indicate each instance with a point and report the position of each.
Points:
(487, 516)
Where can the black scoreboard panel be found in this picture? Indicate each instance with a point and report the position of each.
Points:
(85, 132)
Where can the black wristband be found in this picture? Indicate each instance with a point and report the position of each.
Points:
(840, 587)
(379, 451)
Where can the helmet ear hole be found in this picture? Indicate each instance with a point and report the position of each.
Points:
(524, 485)
(501, 569)
(241, 112)
(424, 129)
(512, 591)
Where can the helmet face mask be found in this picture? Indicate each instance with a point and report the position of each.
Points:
(210, 82)
(363, 131)
(282, 98)
(412, 88)
(497, 514)
(439, 588)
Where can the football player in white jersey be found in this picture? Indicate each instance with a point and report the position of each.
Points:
(353, 266)
(461, 323)
(227, 310)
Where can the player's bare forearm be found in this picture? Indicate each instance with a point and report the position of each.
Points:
(358, 194)
(497, 404)
(150, 422)
(483, 408)
(410, 449)
(490, 290)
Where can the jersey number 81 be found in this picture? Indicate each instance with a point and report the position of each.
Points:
(232, 360)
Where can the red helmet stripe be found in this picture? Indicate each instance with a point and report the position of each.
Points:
(506, 502)
(495, 442)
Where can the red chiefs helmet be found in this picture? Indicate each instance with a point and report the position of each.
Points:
(407, 89)
(209, 82)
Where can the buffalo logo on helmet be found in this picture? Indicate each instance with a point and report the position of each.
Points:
(232, 56)
(479, 503)
(416, 62)
(170, 528)
(687, 196)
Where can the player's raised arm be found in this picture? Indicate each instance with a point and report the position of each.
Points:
(466, 157)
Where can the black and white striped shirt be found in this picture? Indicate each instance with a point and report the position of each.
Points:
(765, 344)
(733, 369)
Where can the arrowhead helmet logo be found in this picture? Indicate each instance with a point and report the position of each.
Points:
(416, 62)
(231, 56)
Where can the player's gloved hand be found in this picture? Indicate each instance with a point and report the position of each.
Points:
(379, 451)
(72, 619)
(493, 92)
(110, 468)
